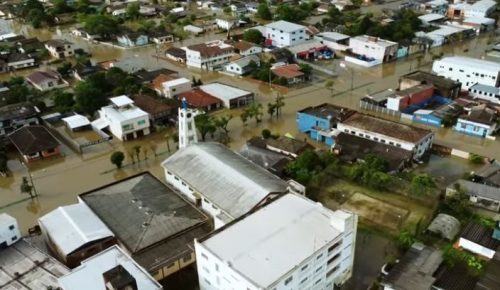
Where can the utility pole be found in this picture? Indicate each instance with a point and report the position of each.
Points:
(31, 178)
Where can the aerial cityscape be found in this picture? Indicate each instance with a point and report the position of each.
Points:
(249, 145)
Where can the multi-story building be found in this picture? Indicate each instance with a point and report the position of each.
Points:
(282, 33)
(442, 86)
(290, 243)
(9, 230)
(60, 48)
(484, 92)
(210, 55)
(468, 71)
(373, 47)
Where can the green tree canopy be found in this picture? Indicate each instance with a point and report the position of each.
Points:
(264, 12)
(88, 98)
(100, 24)
(422, 184)
(205, 125)
(117, 158)
(253, 35)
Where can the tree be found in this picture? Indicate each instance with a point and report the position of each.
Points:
(227, 10)
(205, 125)
(306, 69)
(279, 103)
(64, 69)
(60, 6)
(329, 86)
(222, 122)
(63, 101)
(83, 6)
(26, 187)
(405, 240)
(88, 99)
(137, 151)
(264, 12)
(100, 24)
(271, 109)
(133, 10)
(253, 35)
(117, 158)
(422, 184)
(266, 134)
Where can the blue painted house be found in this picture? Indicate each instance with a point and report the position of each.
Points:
(132, 39)
(480, 122)
(320, 121)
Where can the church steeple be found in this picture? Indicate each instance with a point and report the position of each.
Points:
(187, 127)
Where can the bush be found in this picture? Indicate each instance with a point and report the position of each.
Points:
(476, 158)
(266, 134)
(117, 158)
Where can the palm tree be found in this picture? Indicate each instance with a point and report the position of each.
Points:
(280, 102)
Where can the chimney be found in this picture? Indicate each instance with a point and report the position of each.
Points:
(118, 278)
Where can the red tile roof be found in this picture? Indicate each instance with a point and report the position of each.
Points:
(288, 71)
(157, 82)
(199, 99)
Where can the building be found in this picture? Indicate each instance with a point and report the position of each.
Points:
(112, 267)
(132, 39)
(226, 23)
(283, 33)
(445, 225)
(479, 239)
(256, 151)
(160, 37)
(158, 111)
(372, 47)
(59, 48)
(490, 278)
(187, 126)
(224, 184)
(124, 119)
(46, 80)
(175, 86)
(176, 54)
(16, 116)
(415, 269)
(81, 71)
(243, 65)
(334, 40)
(77, 122)
(15, 61)
(24, 267)
(149, 76)
(468, 71)
(310, 50)
(444, 87)
(484, 92)
(481, 8)
(411, 96)
(407, 137)
(480, 121)
(209, 56)
(9, 231)
(245, 48)
(34, 142)
(284, 145)
(201, 100)
(231, 97)
(193, 29)
(320, 122)
(290, 243)
(151, 222)
(489, 174)
(74, 233)
(480, 195)
(292, 73)
(431, 19)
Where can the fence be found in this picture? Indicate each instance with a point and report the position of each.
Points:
(373, 107)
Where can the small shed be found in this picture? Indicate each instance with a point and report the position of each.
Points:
(77, 123)
(445, 225)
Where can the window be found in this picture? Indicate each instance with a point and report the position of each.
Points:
(303, 280)
(14, 238)
(303, 268)
(206, 281)
(319, 269)
(332, 271)
(204, 256)
(206, 201)
(176, 178)
(214, 207)
(186, 258)
(183, 183)
(334, 246)
(169, 173)
(317, 282)
(319, 257)
(11, 227)
(288, 280)
(333, 259)
(217, 267)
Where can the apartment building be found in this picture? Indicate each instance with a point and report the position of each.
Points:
(283, 33)
(209, 55)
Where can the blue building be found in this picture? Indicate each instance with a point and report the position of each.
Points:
(480, 122)
(132, 39)
(320, 121)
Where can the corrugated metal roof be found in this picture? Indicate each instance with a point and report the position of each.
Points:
(227, 179)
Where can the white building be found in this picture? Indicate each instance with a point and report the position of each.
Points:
(209, 55)
(482, 8)
(410, 138)
(468, 71)
(223, 183)
(176, 86)
(373, 47)
(9, 230)
(232, 97)
(282, 33)
(245, 48)
(334, 40)
(124, 119)
(187, 125)
(109, 269)
(60, 48)
(484, 92)
(290, 243)
(226, 23)
(242, 66)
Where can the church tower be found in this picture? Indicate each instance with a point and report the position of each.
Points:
(187, 127)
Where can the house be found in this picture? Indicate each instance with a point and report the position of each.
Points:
(280, 55)
(77, 122)
(435, 6)
(74, 233)
(160, 37)
(489, 174)
(334, 40)
(16, 116)
(174, 87)
(445, 225)
(129, 65)
(208, 55)
(479, 24)
(407, 137)
(152, 223)
(480, 195)
(480, 240)
(60, 48)
(481, 8)
(158, 111)
(231, 97)
(480, 121)
(46, 80)
(444, 87)
(245, 48)
(310, 50)
(319, 122)
(15, 61)
(484, 92)
(109, 269)
(415, 269)
(23, 266)
(238, 8)
(241, 185)
(227, 23)
(124, 119)
(132, 39)
(30, 45)
(83, 71)
(274, 162)
(431, 19)
(80, 32)
(292, 73)
(283, 33)
(9, 231)
(193, 29)
(201, 100)
(372, 47)
(283, 145)
(157, 83)
(34, 142)
(149, 76)
(243, 65)
(468, 71)
(291, 242)
(176, 54)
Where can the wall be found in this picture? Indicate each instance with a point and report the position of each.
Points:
(363, 62)
(468, 76)
(484, 95)
(471, 128)
(282, 39)
(179, 88)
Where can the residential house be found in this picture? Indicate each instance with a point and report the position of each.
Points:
(129, 65)
(310, 50)
(132, 39)
(280, 55)
(16, 116)
(283, 145)
(245, 48)
(160, 37)
(83, 71)
(489, 174)
(243, 65)
(109, 269)
(227, 22)
(316, 248)
(291, 73)
(74, 233)
(193, 29)
(201, 100)
(481, 195)
(444, 87)
(373, 48)
(411, 96)
(484, 92)
(481, 8)
(334, 40)
(157, 83)
(480, 240)
(209, 56)
(283, 33)
(274, 162)
(231, 97)
(30, 45)
(175, 87)
(34, 142)
(490, 278)
(238, 8)
(431, 19)
(77, 122)
(320, 122)
(152, 223)
(158, 111)
(480, 121)
(9, 231)
(15, 61)
(149, 76)
(60, 48)
(414, 139)
(435, 6)
(176, 54)
(80, 32)
(123, 119)
(46, 80)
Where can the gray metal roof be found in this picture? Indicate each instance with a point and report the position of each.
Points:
(479, 189)
(485, 88)
(445, 225)
(226, 178)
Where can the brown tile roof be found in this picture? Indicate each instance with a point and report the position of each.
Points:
(160, 79)
(151, 105)
(387, 128)
(243, 45)
(288, 71)
(33, 139)
(199, 99)
(40, 76)
(482, 115)
(209, 51)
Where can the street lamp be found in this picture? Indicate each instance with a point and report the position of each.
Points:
(344, 66)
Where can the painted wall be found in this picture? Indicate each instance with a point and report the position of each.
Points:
(475, 129)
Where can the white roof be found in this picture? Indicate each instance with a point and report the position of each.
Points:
(335, 36)
(7, 220)
(483, 5)
(431, 17)
(124, 115)
(446, 30)
(76, 121)
(175, 82)
(73, 226)
(223, 92)
(89, 274)
(437, 2)
(269, 243)
(471, 62)
(380, 42)
(306, 46)
(193, 28)
(7, 35)
(285, 26)
(121, 101)
(479, 20)
(100, 123)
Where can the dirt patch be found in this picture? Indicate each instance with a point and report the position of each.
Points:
(376, 211)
